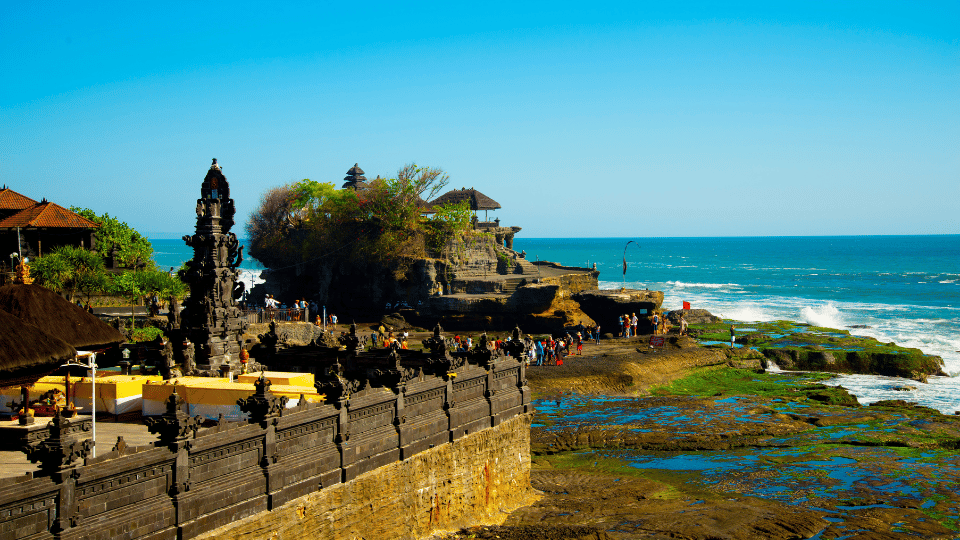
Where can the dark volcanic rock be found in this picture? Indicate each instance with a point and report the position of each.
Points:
(604, 306)
(693, 316)
(395, 322)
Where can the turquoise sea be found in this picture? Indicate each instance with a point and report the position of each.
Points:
(904, 289)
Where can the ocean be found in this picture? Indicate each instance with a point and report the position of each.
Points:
(173, 253)
(904, 289)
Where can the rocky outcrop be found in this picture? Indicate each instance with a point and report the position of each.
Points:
(693, 316)
(604, 306)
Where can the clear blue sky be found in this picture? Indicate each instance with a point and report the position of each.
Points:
(588, 119)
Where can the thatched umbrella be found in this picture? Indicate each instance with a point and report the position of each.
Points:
(27, 352)
(476, 200)
(49, 312)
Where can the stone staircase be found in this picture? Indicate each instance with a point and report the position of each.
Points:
(510, 285)
(525, 267)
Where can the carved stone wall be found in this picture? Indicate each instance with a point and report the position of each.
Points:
(196, 483)
(477, 480)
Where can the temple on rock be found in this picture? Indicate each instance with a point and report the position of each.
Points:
(355, 179)
(211, 317)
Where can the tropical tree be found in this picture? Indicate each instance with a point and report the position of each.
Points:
(302, 221)
(131, 248)
(72, 270)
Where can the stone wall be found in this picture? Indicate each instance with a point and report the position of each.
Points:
(478, 479)
(199, 481)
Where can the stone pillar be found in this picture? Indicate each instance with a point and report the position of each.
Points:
(343, 435)
(448, 406)
(59, 456)
(508, 240)
(174, 429)
(265, 409)
(400, 420)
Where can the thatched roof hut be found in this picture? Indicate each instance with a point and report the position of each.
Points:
(477, 200)
(28, 353)
(57, 317)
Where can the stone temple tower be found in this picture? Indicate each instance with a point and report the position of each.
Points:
(211, 316)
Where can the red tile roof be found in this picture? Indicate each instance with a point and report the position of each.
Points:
(11, 200)
(47, 215)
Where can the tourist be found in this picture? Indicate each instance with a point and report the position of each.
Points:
(403, 343)
(733, 335)
(656, 323)
(596, 333)
(381, 332)
(683, 325)
(620, 325)
(579, 344)
(333, 320)
(633, 323)
(539, 345)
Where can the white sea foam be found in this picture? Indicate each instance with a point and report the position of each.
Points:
(927, 328)
(941, 393)
(250, 278)
(682, 285)
(827, 315)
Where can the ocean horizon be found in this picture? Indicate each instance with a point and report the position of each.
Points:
(898, 288)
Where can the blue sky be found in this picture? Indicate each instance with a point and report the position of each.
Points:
(587, 119)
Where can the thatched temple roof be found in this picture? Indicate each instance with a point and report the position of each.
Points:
(28, 353)
(355, 178)
(57, 317)
(477, 200)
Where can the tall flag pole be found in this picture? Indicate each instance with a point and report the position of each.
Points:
(625, 260)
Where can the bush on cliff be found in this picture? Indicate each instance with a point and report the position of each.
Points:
(381, 224)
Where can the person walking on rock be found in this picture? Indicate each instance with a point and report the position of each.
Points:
(733, 335)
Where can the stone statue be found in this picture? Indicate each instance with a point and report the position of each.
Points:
(189, 365)
(173, 313)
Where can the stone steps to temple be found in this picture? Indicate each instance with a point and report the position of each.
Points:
(525, 267)
(510, 285)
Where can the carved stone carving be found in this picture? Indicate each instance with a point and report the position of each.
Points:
(211, 318)
(174, 425)
(62, 449)
(262, 404)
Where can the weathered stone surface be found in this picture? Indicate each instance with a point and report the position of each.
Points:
(693, 316)
(477, 479)
(290, 333)
(604, 306)
(394, 322)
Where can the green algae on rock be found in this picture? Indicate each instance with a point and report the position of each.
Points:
(798, 346)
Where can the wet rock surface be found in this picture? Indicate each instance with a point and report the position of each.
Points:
(624, 446)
